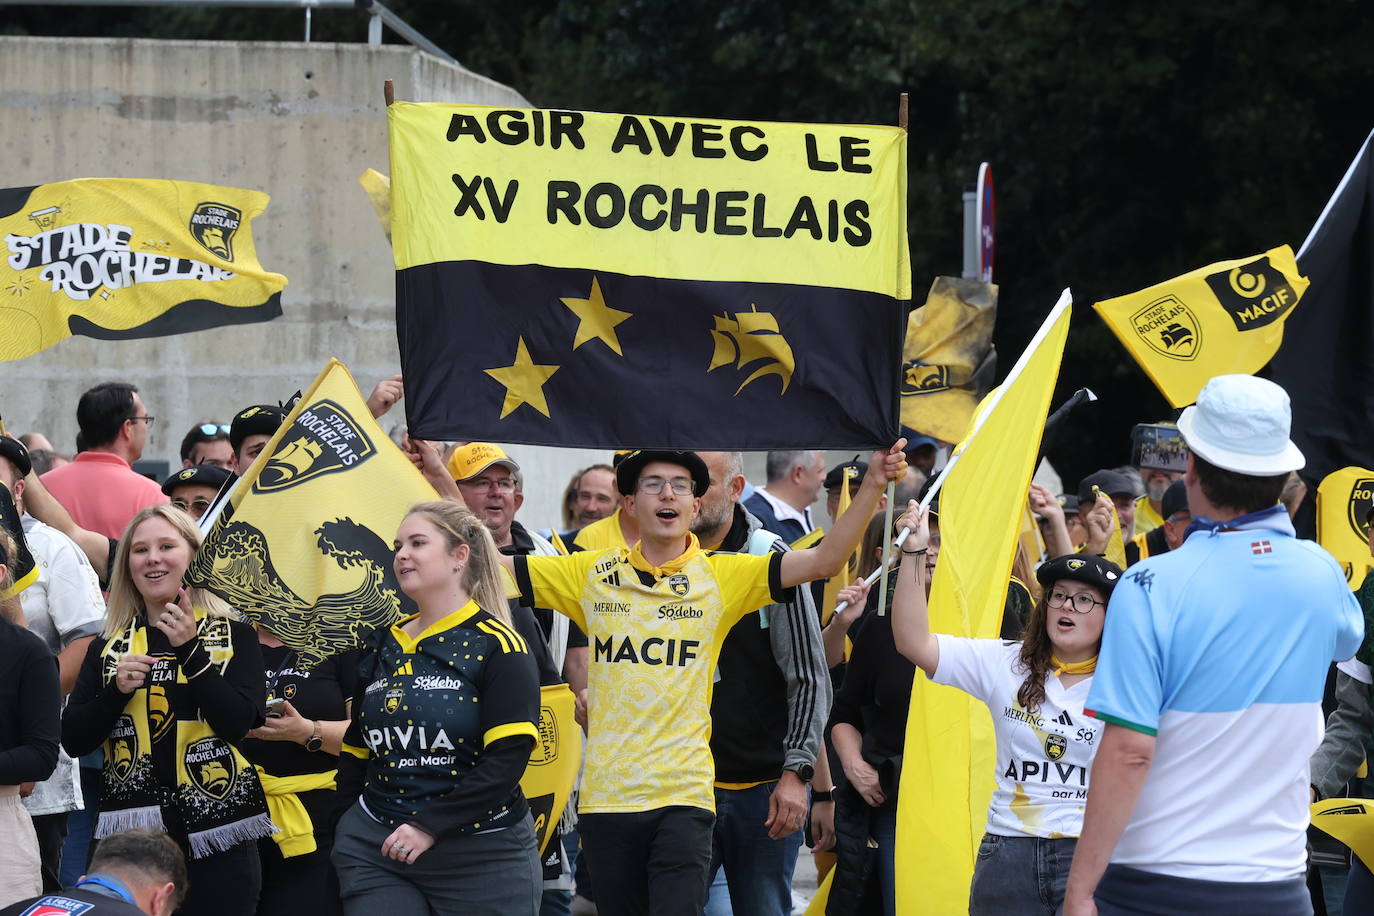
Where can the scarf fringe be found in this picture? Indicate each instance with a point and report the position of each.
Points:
(226, 837)
(147, 818)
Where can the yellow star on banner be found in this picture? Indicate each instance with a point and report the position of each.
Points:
(524, 382)
(597, 319)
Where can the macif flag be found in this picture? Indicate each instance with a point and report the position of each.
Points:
(304, 548)
(1225, 318)
(120, 259)
(1326, 363)
(948, 359)
(579, 279)
(947, 766)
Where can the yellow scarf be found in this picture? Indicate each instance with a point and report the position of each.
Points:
(1083, 667)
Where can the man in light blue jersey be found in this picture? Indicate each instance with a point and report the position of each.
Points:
(1210, 681)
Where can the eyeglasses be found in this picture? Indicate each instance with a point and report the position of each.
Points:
(1082, 603)
(148, 420)
(213, 429)
(483, 484)
(654, 485)
(195, 508)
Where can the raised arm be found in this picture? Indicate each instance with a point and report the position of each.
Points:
(910, 615)
(828, 557)
(1043, 504)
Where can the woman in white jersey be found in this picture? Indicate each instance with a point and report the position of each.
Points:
(1035, 690)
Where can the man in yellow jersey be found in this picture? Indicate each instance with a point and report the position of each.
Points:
(656, 614)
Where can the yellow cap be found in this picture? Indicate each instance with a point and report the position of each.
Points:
(475, 457)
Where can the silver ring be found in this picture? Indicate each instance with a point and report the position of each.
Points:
(401, 849)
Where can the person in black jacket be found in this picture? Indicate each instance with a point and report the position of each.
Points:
(168, 690)
(134, 873)
(30, 698)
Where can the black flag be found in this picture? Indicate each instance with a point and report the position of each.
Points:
(1326, 362)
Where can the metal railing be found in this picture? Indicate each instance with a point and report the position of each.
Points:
(378, 15)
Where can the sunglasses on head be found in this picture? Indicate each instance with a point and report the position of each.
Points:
(214, 429)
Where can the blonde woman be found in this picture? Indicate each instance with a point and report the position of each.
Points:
(29, 704)
(169, 689)
(444, 720)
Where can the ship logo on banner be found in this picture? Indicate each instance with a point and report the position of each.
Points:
(1169, 327)
(214, 225)
(747, 338)
(323, 440)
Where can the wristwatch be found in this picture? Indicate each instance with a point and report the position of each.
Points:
(804, 772)
(314, 742)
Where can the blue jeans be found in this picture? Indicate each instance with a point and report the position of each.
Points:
(758, 869)
(1020, 875)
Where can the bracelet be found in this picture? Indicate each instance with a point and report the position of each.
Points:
(915, 553)
(192, 677)
(819, 796)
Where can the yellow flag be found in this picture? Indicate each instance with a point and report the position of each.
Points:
(822, 899)
(947, 773)
(378, 188)
(1350, 820)
(851, 567)
(554, 762)
(1116, 545)
(304, 548)
(1344, 499)
(1217, 320)
(947, 357)
(118, 259)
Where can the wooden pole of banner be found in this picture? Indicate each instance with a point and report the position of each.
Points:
(389, 90)
(903, 108)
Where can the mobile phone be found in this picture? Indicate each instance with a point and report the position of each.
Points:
(274, 706)
(1158, 447)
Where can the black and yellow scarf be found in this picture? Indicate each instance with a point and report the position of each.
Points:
(160, 736)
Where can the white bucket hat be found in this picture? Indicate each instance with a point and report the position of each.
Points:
(1240, 423)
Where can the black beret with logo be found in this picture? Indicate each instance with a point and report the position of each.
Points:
(205, 475)
(1081, 567)
(836, 474)
(627, 471)
(258, 420)
(14, 450)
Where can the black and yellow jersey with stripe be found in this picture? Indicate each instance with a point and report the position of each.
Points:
(431, 703)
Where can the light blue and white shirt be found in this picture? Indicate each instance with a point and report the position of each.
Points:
(1220, 649)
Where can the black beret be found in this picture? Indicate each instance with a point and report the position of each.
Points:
(627, 471)
(836, 474)
(1070, 503)
(205, 475)
(14, 450)
(259, 420)
(1113, 483)
(1081, 567)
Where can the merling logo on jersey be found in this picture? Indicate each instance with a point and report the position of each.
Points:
(652, 651)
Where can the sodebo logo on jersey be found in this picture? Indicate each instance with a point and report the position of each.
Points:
(677, 612)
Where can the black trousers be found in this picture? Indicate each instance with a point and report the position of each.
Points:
(649, 861)
(52, 834)
(302, 884)
(224, 884)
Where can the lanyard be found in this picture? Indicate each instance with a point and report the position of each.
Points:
(110, 884)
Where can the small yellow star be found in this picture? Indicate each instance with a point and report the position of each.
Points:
(524, 381)
(597, 319)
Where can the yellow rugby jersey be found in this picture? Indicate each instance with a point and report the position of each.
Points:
(655, 635)
(602, 534)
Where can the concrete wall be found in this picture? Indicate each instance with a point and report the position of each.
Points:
(299, 121)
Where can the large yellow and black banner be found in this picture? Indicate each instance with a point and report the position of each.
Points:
(1220, 319)
(581, 279)
(948, 360)
(118, 259)
(304, 547)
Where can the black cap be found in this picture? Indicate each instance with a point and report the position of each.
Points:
(205, 475)
(836, 474)
(1081, 567)
(14, 450)
(921, 494)
(627, 471)
(1113, 483)
(1070, 503)
(1174, 500)
(259, 420)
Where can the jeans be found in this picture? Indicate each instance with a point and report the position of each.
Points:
(884, 830)
(1359, 889)
(1020, 875)
(483, 874)
(649, 862)
(77, 848)
(758, 869)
